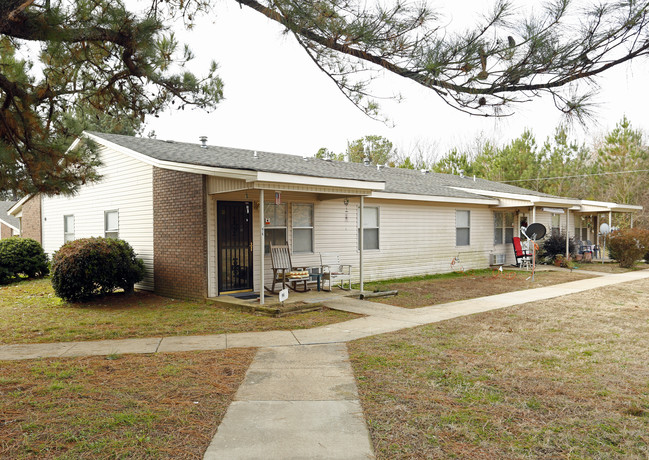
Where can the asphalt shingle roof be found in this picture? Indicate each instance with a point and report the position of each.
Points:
(396, 180)
(4, 207)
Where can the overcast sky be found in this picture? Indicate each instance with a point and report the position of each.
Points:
(277, 100)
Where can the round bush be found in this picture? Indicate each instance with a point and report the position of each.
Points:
(628, 245)
(555, 245)
(94, 266)
(21, 256)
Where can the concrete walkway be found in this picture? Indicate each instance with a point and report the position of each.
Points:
(299, 399)
(295, 403)
(379, 319)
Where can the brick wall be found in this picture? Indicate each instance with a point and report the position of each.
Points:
(179, 234)
(30, 223)
(5, 231)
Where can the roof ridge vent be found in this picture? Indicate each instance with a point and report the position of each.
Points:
(255, 154)
(203, 140)
(424, 171)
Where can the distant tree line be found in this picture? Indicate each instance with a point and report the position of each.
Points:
(612, 168)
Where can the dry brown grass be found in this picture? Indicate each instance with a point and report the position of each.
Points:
(610, 267)
(451, 287)
(153, 406)
(30, 312)
(563, 378)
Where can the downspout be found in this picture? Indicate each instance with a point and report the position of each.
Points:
(361, 243)
(567, 234)
(262, 245)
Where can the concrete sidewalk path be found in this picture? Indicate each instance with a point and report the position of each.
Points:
(295, 403)
(379, 319)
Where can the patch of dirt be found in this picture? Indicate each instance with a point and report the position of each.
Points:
(135, 406)
(469, 285)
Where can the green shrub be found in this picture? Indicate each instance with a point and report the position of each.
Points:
(628, 245)
(556, 245)
(21, 256)
(94, 266)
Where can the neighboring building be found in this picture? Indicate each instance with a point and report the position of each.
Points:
(9, 225)
(192, 213)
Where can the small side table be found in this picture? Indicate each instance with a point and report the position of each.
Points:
(316, 275)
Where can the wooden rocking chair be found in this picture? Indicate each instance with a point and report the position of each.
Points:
(284, 272)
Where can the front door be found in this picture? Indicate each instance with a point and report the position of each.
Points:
(234, 223)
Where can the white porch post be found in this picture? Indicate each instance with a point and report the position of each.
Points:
(610, 220)
(262, 244)
(533, 215)
(360, 243)
(567, 234)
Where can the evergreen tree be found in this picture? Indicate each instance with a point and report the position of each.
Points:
(98, 56)
(624, 153)
(377, 149)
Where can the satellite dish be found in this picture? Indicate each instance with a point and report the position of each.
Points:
(604, 229)
(535, 231)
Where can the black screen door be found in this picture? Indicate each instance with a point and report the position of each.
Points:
(235, 245)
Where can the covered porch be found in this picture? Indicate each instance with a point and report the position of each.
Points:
(309, 214)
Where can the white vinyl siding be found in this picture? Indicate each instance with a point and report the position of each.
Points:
(462, 228)
(127, 186)
(111, 224)
(302, 227)
(416, 238)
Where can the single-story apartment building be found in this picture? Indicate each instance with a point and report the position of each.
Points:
(9, 225)
(202, 217)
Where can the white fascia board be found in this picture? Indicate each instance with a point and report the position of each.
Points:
(184, 167)
(263, 176)
(536, 200)
(611, 206)
(9, 225)
(15, 209)
(438, 199)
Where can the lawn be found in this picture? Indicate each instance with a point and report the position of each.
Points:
(153, 406)
(610, 267)
(30, 312)
(415, 292)
(561, 378)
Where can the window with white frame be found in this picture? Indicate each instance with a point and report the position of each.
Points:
(503, 227)
(370, 228)
(462, 228)
(302, 227)
(556, 225)
(274, 225)
(68, 228)
(111, 224)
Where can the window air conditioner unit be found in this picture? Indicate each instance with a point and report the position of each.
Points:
(497, 259)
